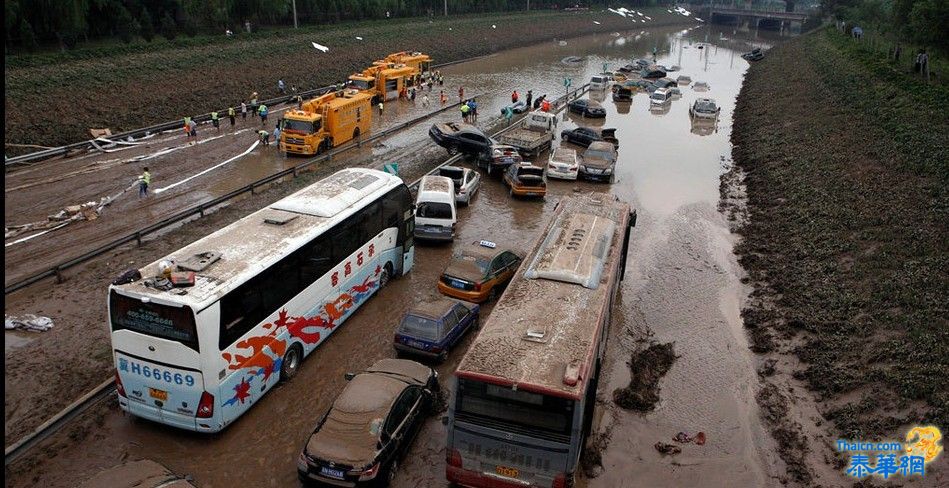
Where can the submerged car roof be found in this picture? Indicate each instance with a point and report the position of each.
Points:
(433, 309)
(459, 128)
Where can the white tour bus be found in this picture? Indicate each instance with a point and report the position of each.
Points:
(268, 289)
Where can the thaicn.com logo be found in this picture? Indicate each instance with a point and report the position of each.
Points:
(886, 459)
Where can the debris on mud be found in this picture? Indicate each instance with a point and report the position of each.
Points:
(647, 368)
(767, 369)
(592, 458)
(792, 445)
(667, 449)
(686, 438)
(28, 322)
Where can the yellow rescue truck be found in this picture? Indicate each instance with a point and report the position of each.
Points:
(326, 122)
(382, 81)
(421, 63)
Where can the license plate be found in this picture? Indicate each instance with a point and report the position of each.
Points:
(416, 344)
(506, 471)
(332, 473)
(531, 194)
(158, 394)
(458, 284)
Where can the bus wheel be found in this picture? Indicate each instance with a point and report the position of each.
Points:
(384, 275)
(291, 361)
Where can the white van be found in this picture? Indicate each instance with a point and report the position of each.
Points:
(660, 97)
(600, 82)
(435, 211)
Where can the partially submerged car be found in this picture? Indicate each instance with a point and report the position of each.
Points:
(684, 79)
(502, 156)
(467, 182)
(754, 55)
(517, 107)
(600, 82)
(460, 137)
(660, 96)
(526, 180)
(704, 108)
(700, 86)
(431, 329)
(622, 94)
(586, 108)
(652, 73)
(478, 272)
(599, 162)
(563, 164)
(583, 136)
(370, 425)
(665, 83)
(436, 211)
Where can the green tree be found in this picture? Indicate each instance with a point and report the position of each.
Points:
(929, 22)
(148, 27)
(126, 27)
(168, 27)
(27, 37)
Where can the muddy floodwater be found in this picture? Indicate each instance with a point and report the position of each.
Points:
(682, 285)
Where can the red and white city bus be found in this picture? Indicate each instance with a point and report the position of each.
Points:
(526, 389)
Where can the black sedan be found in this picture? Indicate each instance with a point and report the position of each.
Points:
(370, 426)
(460, 137)
(587, 108)
(584, 136)
(652, 73)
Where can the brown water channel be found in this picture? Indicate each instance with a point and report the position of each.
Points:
(682, 285)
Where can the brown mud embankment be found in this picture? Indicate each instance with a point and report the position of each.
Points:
(55, 101)
(845, 163)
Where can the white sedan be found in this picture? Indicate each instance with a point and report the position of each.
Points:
(467, 182)
(563, 164)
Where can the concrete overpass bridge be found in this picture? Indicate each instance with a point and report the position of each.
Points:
(746, 16)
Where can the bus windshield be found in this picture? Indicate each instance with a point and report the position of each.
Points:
(164, 321)
(518, 411)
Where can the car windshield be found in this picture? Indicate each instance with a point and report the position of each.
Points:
(658, 95)
(479, 261)
(419, 327)
(705, 106)
(359, 84)
(433, 210)
(595, 154)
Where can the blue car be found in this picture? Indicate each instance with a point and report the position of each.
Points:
(432, 329)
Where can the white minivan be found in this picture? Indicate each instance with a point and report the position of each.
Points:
(600, 82)
(435, 210)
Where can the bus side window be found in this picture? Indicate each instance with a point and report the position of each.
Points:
(316, 259)
(241, 310)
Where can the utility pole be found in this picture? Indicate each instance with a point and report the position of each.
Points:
(294, 14)
(528, 5)
(446, 8)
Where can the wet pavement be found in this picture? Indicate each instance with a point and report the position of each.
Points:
(682, 285)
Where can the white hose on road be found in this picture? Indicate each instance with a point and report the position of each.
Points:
(64, 224)
(212, 168)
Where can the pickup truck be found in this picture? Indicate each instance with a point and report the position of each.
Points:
(534, 135)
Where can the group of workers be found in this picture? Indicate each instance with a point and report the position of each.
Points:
(469, 110)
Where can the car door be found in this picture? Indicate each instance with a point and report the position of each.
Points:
(588, 136)
(452, 330)
(500, 271)
(403, 421)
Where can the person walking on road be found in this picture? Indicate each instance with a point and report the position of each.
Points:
(464, 111)
(281, 87)
(243, 112)
(530, 96)
(425, 100)
(461, 94)
(276, 135)
(473, 106)
(444, 99)
(262, 111)
(143, 182)
(264, 137)
(216, 121)
(187, 128)
(193, 131)
(381, 107)
(514, 97)
(230, 115)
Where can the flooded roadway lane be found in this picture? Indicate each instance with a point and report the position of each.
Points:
(682, 285)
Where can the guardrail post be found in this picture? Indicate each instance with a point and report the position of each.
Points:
(252, 190)
(294, 171)
(59, 274)
(138, 238)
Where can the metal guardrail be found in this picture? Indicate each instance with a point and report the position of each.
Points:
(107, 387)
(176, 124)
(56, 271)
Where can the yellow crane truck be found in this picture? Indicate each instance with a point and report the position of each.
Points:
(325, 122)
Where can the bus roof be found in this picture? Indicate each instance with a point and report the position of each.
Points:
(255, 242)
(542, 334)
